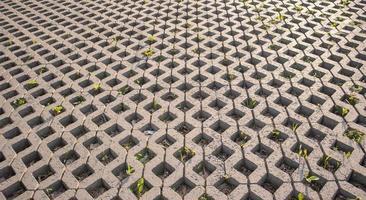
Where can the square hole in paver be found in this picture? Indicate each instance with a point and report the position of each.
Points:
(56, 189)
(6, 173)
(21, 145)
(97, 188)
(31, 159)
(68, 120)
(204, 169)
(183, 186)
(56, 144)
(14, 190)
(69, 157)
(114, 130)
(87, 110)
(12, 133)
(262, 151)
(92, 143)
(358, 180)
(328, 122)
(101, 119)
(34, 122)
(107, 156)
(123, 171)
(226, 185)
(202, 139)
(79, 131)
(245, 166)
(163, 170)
(45, 132)
(287, 165)
(43, 173)
(82, 172)
(165, 140)
(271, 183)
(140, 187)
(145, 155)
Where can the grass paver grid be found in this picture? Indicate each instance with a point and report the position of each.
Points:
(182, 99)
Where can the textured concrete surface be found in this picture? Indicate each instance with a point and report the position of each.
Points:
(206, 99)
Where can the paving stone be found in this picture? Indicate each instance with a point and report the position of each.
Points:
(205, 99)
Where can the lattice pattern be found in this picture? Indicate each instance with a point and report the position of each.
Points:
(206, 99)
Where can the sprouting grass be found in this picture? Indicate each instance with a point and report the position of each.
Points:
(148, 53)
(352, 100)
(129, 170)
(19, 102)
(355, 135)
(58, 109)
(155, 105)
(341, 111)
(302, 152)
(356, 88)
(294, 127)
(97, 86)
(276, 134)
(311, 179)
(250, 103)
(151, 39)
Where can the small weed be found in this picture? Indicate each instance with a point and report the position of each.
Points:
(341, 111)
(334, 24)
(97, 86)
(280, 17)
(140, 186)
(276, 134)
(300, 196)
(199, 37)
(242, 138)
(129, 170)
(58, 109)
(250, 103)
(356, 88)
(10, 42)
(302, 152)
(155, 105)
(186, 153)
(308, 59)
(352, 100)
(294, 127)
(19, 102)
(42, 70)
(230, 77)
(345, 2)
(48, 191)
(272, 47)
(151, 38)
(196, 51)
(347, 154)
(355, 135)
(114, 41)
(149, 52)
(325, 161)
(124, 90)
(79, 100)
(311, 179)
(32, 83)
(311, 12)
(204, 197)
(34, 41)
(260, 18)
(187, 25)
(299, 8)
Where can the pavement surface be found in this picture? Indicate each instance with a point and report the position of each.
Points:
(182, 99)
